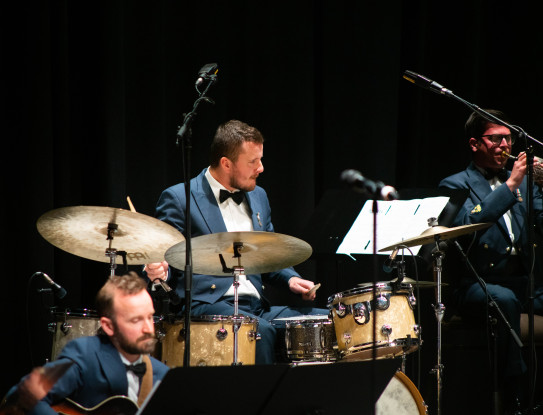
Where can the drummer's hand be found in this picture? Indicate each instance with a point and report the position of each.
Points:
(300, 286)
(157, 270)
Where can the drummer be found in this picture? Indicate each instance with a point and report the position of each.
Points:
(225, 198)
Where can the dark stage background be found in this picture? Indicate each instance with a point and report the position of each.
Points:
(93, 94)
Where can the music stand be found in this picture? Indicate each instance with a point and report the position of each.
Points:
(270, 389)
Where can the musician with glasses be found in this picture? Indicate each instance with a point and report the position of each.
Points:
(499, 254)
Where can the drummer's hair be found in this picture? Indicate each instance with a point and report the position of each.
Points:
(477, 124)
(228, 140)
(128, 284)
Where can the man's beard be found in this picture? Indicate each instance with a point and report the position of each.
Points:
(236, 185)
(138, 347)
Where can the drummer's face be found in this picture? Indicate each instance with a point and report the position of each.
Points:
(244, 171)
(133, 323)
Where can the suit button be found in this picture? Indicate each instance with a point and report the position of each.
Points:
(213, 286)
(263, 287)
(491, 265)
(485, 246)
(507, 249)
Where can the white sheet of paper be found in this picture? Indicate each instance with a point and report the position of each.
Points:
(397, 220)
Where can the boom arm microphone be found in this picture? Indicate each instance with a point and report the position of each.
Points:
(376, 189)
(426, 83)
(208, 71)
(60, 292)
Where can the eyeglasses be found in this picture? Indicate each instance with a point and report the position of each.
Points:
(497, 139)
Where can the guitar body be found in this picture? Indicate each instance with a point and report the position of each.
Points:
(116, 405)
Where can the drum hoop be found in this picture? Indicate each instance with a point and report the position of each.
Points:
(218, 318)
(78, 312)
(414, 391)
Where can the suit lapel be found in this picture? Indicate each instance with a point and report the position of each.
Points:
(207, 204)
(113, 368)
(480, 189)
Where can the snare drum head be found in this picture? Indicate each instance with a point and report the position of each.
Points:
(367, 288)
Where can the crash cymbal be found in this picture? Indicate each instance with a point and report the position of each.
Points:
(429, 235)
(83, 231)
(261, 252)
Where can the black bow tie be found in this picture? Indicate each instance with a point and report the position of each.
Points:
(138, 369)
(500, 174)
(237, 196)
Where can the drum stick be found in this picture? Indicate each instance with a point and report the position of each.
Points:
(132, 208)
(314, 288)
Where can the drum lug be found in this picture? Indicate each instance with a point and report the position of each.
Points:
(386, 330)
(412, 300)
(382, 302)
(160, 335)
(347, 337)
(340, 310)
(361, 313)
(52, 327)
(253, 335)
(222, 333)
(65, 328)
(416, 329)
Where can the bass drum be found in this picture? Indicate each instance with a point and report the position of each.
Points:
(71, 324)
(211, 341)
(401, 397)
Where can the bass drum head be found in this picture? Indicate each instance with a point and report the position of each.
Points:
(400, 397)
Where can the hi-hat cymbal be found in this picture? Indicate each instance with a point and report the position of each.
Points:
(261, 252)
(439, 232)
(83, 231)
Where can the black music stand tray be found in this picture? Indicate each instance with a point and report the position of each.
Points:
(335, 388)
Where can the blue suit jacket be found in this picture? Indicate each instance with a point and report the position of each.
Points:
(97, 374)
(207, 219)
(492, 249)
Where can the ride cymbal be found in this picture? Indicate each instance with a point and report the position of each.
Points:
(261, 252)
(84, 231)
(439, 233)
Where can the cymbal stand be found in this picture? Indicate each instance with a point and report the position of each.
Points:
(236, 319)
(112, 252)
(439, 309)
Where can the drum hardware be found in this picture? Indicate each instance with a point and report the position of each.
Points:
(262, 252)
(436, 234)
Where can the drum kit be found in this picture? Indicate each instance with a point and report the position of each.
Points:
(371, 321)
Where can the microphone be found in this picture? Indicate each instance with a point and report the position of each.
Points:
(60, 292)
(208, 71)
(426, 83)
(389, 263)
(174, 298)
(355, 179)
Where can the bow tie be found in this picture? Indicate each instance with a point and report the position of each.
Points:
(500, 174)
(138, 369)
(237, 196)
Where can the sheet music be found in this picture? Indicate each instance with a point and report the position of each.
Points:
(397, 220)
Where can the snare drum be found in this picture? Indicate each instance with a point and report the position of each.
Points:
(401, 397)
(211, 341)
(69, 325)
(396, 332)
(309, 338)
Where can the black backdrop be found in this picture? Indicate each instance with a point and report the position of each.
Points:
(93, 94)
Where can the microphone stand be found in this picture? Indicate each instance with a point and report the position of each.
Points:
(428, 84)
(494, 306)
(184, 135)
